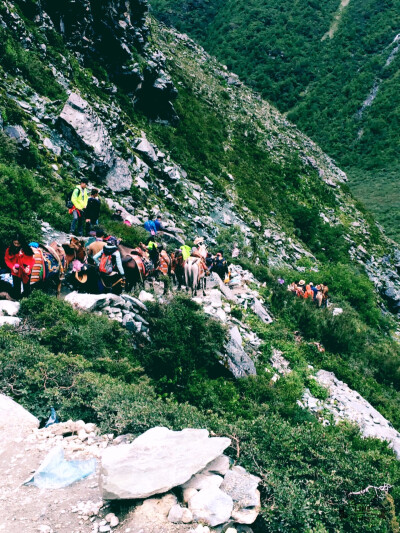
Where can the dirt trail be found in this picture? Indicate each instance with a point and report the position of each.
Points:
(336, 20)
(27, 508)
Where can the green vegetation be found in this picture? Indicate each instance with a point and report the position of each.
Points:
(281, 49)
(87, 368)
(13, 57)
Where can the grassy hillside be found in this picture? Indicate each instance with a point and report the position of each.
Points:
(284, 51)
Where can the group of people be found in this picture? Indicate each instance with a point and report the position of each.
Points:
(317, 293)
(154, 225)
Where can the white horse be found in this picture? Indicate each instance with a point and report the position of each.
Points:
(195, 275)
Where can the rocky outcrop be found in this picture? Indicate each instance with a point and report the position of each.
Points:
(236, 359)
(157, 461)
(347, 404)
(112, 34)
(125, 309)
(84, 129)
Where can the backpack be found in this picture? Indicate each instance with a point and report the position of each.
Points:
(68, 201)
(106, 264)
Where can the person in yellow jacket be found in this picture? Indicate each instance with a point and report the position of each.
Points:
(79, 201)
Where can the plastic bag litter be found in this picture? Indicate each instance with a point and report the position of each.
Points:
(53, 418)
(55, 472)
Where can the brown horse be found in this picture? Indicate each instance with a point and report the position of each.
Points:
(178, 268)
(74, 250)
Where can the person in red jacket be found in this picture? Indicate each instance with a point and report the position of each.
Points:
(19, 259)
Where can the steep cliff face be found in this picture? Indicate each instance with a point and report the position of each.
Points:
(112, 35)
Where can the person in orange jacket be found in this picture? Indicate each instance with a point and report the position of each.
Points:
(20, 260)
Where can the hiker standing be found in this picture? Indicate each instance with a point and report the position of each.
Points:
(158, 223)
(79, 201)
(92, 211)
(220, 265)
(20, 260)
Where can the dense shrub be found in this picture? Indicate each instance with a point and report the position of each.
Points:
(185, 345)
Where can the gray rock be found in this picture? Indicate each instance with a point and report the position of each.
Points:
(203, 481)
(52, 147)
(134, 301)
(146, 150)
(157, 461)
(18, 134)
(261, 312)
(220, 465)
(9, 321)
(242, 488)
(211, 506)
(237, 360)
(119, 177)
(81, 124)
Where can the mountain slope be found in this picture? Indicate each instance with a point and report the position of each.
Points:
(340, 90)
(179, 134)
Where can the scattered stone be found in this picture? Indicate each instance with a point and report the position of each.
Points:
(180, 514)
(146, 297)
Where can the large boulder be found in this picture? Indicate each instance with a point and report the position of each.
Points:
(13, 415)
(211, 506)
(83, 128)
(157, 461)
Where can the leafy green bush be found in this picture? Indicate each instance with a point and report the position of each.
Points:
(185, 345)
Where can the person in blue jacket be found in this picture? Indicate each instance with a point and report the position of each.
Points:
(150, 226)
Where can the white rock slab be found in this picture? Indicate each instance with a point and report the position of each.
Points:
(347, 404)
(13, 415)
(211, 506)
(9, 321)
(157, 461)
(9, 308)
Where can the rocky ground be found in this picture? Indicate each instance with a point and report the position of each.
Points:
(207, 489)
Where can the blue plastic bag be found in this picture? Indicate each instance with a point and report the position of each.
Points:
(53, 418)
(55, 472)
